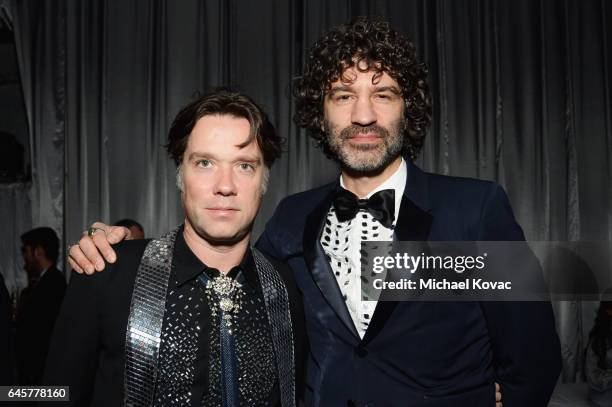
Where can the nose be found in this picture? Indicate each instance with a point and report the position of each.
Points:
(225, 184)
(363, 112)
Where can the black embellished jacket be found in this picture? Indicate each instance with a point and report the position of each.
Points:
(88, 349)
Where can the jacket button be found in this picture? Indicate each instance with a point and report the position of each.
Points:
(361, 351)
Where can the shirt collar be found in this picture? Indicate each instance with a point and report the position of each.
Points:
(187, 266)
(397, 182)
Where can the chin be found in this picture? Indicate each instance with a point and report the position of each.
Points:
(368, 163)
(222, 236)
(225, 240)
(364, 166)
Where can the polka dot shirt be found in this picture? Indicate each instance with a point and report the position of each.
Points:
(341, 243)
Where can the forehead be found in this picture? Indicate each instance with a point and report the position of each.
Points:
(222, 133)
(352, 76)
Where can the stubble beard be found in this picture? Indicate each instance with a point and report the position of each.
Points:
(214, 239)
(365, 158)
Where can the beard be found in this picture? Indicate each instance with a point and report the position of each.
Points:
(365, 157)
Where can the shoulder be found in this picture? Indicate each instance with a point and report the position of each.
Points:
(129, 253)
(481, 207)
(465, 194)
(119, 273)
(52, 284)
(461, 187)
(54, 276)
(303, 202)
(282, 236)
(128, 250)
(291, 212)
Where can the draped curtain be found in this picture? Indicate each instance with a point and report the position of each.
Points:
(41, 49)
(521, 89)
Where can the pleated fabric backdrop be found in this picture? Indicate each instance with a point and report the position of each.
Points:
(521, 88)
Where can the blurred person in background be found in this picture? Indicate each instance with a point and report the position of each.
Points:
(40, 302)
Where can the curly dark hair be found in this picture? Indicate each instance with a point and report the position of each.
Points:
(366, 45)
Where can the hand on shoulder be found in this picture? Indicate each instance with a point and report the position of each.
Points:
(89, 253)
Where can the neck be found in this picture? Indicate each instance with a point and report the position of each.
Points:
(362, 183)
(34, 274)
(221, 257)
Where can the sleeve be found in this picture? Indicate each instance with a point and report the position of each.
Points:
(74, 348)
(526, 349)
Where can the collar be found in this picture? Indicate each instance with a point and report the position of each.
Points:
(397, 182)
(187, 266)
(42, 273)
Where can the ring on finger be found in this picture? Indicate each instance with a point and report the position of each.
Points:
(92, 231)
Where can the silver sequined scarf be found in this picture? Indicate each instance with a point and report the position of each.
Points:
(143, 336)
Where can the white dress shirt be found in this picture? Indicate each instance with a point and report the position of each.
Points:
(341, 242)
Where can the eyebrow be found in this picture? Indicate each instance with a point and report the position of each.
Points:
(389, 88)
(249, 159)
(242, 158)
(339, 88)
(346, 88)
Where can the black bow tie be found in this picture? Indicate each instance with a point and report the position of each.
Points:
(381, 205)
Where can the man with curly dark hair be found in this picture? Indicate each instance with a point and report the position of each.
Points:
(364, 99)
(366, 47)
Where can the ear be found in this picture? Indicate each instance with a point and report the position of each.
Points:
(321, 121)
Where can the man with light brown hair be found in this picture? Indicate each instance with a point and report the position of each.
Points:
(210, 320)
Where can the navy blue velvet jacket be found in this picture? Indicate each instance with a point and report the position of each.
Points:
(418, 353)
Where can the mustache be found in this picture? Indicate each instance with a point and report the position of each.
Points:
(355, 130)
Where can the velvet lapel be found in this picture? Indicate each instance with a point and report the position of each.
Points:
(413, 223)
(318, 265)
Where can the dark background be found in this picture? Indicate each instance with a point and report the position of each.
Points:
(521, 90)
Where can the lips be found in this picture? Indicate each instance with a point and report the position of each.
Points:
(222, 211)
(365, 138)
